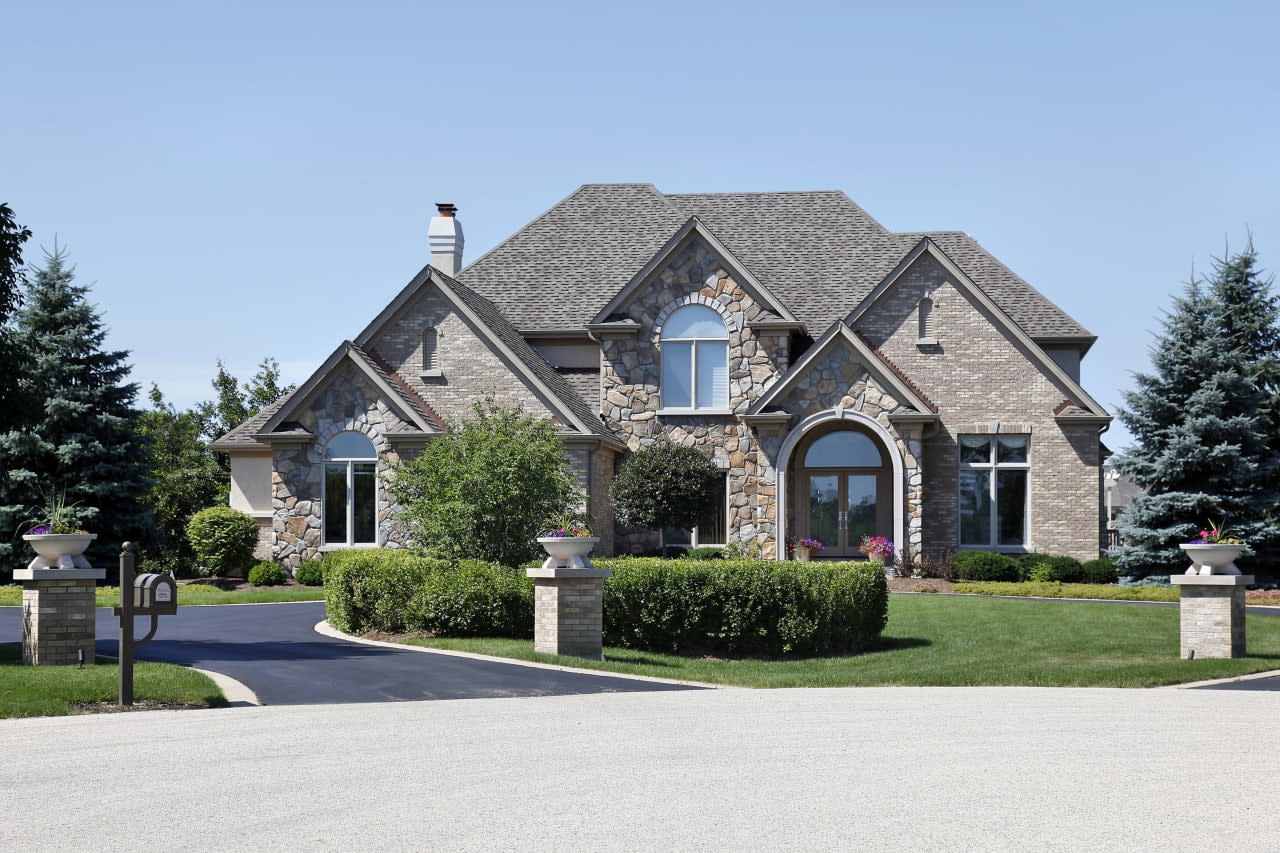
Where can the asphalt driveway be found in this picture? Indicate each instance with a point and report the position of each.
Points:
(274, 650)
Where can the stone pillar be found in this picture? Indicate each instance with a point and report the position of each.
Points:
(1212, 610)
(59, 614)
(568, 613)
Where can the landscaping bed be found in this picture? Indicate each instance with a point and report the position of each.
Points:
(53, 691)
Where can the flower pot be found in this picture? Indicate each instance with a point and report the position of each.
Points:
(800, 555)
(60, 550)
(568, 551)
(1213, 559)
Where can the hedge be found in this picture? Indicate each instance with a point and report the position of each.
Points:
(743, 607)
(986, 566)
(223, 540)
(727, 607)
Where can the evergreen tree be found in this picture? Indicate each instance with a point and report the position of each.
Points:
(79, 435)
(1202, 429)
(1248, 314)
(12, 278)
(185, 478)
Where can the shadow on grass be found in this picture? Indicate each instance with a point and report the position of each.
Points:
(893, 644)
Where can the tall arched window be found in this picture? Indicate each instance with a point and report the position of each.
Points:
(695, 360)
(350, 490)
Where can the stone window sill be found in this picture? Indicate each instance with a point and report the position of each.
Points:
(692, 412)
(999, 549)
(922, 343)
(325, 549)
(427, 375)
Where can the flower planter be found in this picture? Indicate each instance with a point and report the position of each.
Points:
(568, 551)
(800, 555)
(60, 550)
(1213, 559)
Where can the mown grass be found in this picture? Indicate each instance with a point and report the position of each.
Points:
(947, 640)
(54, 691)
(109, 596)
(1112, 592)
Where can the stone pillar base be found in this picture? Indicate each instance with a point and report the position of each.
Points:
(59, 615)
(568, 614)
(1212, 609)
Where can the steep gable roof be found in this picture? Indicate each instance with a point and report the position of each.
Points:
(817, 252)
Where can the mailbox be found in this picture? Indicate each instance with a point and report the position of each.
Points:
(155, 595)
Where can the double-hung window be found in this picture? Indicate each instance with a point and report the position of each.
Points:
(695, 360)
(994, 471)
(350, 490)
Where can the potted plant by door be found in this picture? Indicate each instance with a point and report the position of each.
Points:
(804, 548)
(879, 549)
(58, 542)
(568, 545)
(1214, 552)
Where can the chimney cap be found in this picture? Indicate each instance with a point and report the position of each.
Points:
(446, 208)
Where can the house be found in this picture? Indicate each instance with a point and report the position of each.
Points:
(847, 379)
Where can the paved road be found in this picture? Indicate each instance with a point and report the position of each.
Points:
(275, 651)
(984, 769)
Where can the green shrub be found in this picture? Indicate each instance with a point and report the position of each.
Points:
(1052, 569)
(741, 607)
(665, 485)
(395, 591)
(309, 573)
(1027, 562)
(986, 566)
(1101, 570)
(267, 573)
(706, 553)
(222, 540)
(1039, 573)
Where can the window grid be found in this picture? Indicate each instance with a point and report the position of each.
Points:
(993, 466)
(706, 353)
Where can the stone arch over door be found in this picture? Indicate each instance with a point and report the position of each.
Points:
(888, 447)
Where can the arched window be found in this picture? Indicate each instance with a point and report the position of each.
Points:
(695, 360)
(350, 490)
(844, 449)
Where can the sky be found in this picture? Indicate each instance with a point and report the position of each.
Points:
(240, 180)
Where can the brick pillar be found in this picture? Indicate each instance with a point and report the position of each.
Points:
(1212, 611)
(568, 614)
(59, 614)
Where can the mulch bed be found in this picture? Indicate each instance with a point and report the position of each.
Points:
(919, 585)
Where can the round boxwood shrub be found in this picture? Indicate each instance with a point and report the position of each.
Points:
(986, 566)
(222, 540)
(309, 573)
(665, 485)
(267, 573)
(744, 607)
(1101, 570)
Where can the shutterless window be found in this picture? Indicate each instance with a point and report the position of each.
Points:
(350, 490)
(993, 490)
(695, 360)
(713, 529)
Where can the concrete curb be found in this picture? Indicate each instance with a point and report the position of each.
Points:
(237, 694)
(325, 629)
(1253, 676)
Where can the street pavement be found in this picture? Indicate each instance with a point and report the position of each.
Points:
(984, 769)
(274, 650)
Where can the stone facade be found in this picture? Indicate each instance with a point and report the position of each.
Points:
(568, 614)
(59, 618)
(1212, 615)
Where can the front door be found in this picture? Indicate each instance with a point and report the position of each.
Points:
(841, 510)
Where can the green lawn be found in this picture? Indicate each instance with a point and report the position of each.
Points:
(948, 640)
(54, 691)
(1113, 592)
(109, 596)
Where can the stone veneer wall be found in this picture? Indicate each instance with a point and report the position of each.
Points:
(348, 402)
(983, 381)
(631, 372)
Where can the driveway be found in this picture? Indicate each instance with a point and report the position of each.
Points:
(274, 650)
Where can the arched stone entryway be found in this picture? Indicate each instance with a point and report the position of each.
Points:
(841, 475)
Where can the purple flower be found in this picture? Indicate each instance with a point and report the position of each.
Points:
(39, 530)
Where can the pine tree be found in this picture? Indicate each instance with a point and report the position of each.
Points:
(12, 278)
(1203, 437)
(79, 435)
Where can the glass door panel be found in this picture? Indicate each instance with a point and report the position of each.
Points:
(824, 509)
(860, 509)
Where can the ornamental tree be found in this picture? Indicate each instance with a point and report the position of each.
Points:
(487, 488)
(665, 485)
(1203, 426)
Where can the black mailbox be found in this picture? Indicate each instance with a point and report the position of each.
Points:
(155, 595)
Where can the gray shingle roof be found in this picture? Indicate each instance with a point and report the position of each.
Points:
(817, 251)
(241, 437)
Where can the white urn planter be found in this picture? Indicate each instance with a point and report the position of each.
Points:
(59, 550)
(1213, 559)
(568, 552)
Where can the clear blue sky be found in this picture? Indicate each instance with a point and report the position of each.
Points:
(244, 179)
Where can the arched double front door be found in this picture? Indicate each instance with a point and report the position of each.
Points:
(842, 489)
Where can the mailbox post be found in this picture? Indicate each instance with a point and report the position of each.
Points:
(153, 595)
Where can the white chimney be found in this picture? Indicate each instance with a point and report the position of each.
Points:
(445, 236)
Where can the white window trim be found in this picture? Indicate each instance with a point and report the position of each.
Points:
(716, 408)
(349, 461)
(993, 531)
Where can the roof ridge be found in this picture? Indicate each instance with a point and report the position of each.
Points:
(759, 192)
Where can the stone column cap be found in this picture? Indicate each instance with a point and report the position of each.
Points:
(59, 574)
(1209, 580)
(592, 572)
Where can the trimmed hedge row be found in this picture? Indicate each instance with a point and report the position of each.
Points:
(729, 607)
(1041, 568)
(743, 607)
